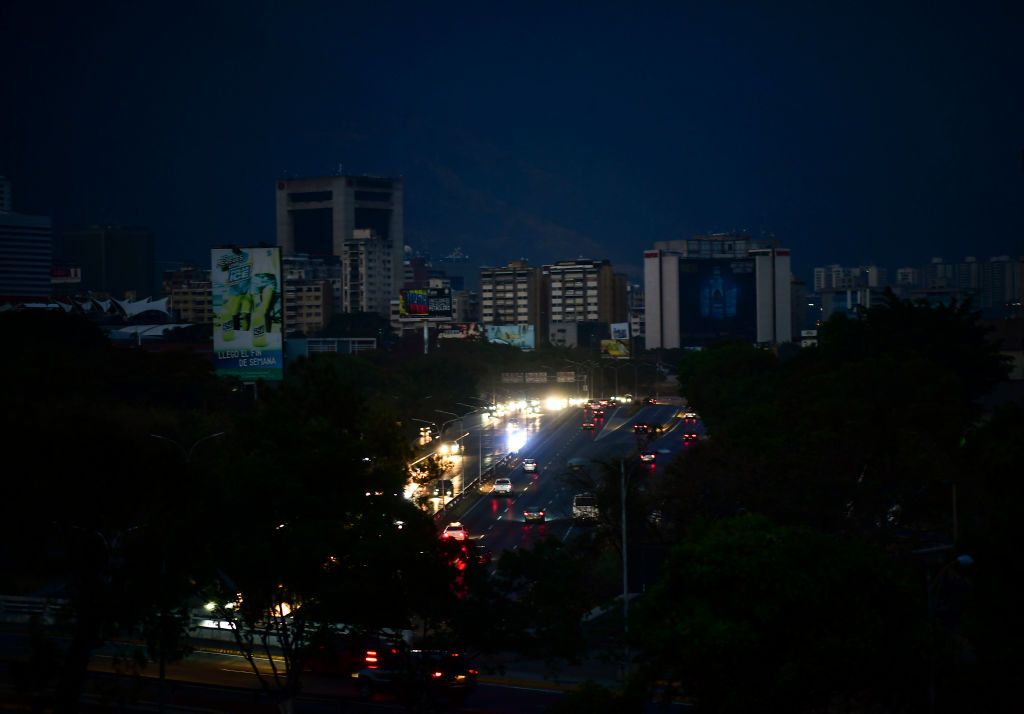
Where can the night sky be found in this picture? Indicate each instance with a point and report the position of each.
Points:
(854, 132)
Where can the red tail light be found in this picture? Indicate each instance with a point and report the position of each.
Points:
(371, 659)
(472, 671)
(437, 675)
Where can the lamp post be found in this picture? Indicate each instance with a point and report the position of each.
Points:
(187, 454)
(963, 561)
(625, 564)
(479, 442)
(589, 366)
(429, 424)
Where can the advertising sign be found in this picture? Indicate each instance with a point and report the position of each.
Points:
(425, 303)
(248, 340)
(620, 330)
(460, 331)
(616, 349)
(521, 336)
(717, 300)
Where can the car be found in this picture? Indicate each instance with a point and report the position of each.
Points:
(480, 552)
(584, 507)
(690, 416)
(533, 514)
(529, 465)
(690, 436)
(502, 487)
(599, 412)
(444, 487)
(650, 400)
(454, 531)
(648, 456)
(641, 428)
(588, 425)
(416, 676)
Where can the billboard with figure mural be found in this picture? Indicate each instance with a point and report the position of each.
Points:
(717, 300)
(248, 340)
(521, 336)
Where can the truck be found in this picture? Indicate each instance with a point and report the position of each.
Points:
(584, 507)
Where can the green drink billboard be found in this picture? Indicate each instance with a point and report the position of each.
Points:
(248, 334)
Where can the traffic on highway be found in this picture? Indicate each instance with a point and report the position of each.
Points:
(534, 500)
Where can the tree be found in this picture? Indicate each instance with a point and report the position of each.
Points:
(320, 536)
(861, 433)
(93, 519)
(753, 616)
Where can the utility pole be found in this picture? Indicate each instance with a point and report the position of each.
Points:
(625, 564)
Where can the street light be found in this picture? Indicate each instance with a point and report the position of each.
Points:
(187, 453)
(625, 564)
(589, 367)
(962, 561)
(444, 425)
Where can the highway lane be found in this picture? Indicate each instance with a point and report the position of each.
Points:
(497, 521)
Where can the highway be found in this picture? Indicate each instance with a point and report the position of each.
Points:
(497, 521)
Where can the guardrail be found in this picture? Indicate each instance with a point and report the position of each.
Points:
(498, 468)
(22, 608)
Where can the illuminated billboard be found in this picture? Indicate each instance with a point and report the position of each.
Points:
(425, 303)
(248, 340)
(620, 330)
(616, 349)
(717, 300)
(460, 331)
(521, 336)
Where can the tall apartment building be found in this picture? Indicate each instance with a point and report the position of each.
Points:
(307, 268)
(585, 290)
(115, 260)
(26, 252)
(512, 295)
(635, 298)
(994, 285)
(307, 306)
(189, 295)
(357, 221)
(722, 286)
(837, 277)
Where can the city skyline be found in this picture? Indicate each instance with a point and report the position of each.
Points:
(869, 135)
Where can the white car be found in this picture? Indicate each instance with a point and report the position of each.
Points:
(529, 465)
(502, 486)
(455, 531)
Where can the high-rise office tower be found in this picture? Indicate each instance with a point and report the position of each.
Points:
(356, 220)
(26, 252)
(116, 260)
